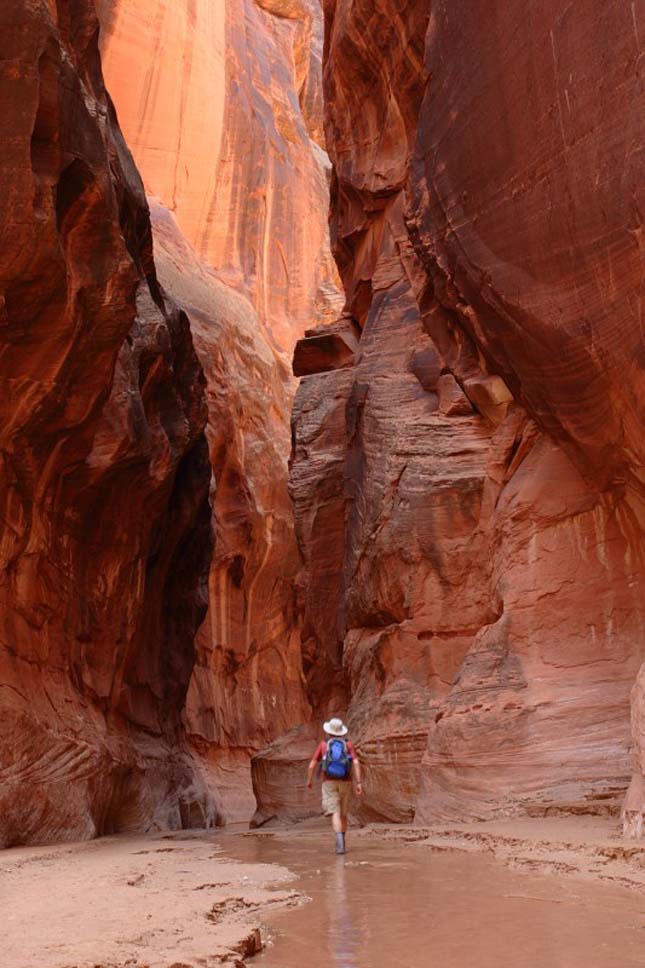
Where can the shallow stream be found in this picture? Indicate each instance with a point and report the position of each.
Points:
(390, 905)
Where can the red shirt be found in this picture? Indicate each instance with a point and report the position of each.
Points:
(321, 750)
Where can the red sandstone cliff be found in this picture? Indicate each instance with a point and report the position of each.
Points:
(467, 448)
(105, 533)
(221, 104)
(468, 482)
(633, 812)
(247, 684)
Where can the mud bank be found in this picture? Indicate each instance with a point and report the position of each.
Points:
(172, 901)
(591, 848)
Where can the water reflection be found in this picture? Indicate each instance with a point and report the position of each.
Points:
(384, 906)
(346, 931)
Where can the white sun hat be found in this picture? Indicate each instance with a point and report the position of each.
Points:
(335, 727)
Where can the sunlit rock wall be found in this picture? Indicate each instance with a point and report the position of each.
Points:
(221, 103)
(105, 534)
(482, 450)
(247, 685)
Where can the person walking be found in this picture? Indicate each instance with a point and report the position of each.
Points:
(339, 762)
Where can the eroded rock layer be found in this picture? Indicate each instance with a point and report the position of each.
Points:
(482, 459)
(247, 685)
(105, 533)
(221, 103)
(633, 812)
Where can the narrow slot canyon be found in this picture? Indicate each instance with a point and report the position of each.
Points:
(323, 395)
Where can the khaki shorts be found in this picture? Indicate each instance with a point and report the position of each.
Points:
(336, 796)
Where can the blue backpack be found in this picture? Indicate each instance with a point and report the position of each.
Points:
(337, 762)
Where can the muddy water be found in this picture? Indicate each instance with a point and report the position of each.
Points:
(386, 905)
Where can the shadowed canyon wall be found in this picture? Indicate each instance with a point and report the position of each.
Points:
(468, 474)
(221, 104)
(457, 563)
(117, 439)
(247, 682)
(105, 535)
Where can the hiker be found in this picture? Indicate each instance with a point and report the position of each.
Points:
(339, 762)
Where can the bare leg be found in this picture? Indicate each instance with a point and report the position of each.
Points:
(343, 824)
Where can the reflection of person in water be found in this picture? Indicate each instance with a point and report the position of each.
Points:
(345, 934)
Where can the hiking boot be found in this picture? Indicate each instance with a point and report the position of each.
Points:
(340, 843)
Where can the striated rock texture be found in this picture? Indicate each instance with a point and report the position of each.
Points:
(221, 103)
(469, 493)
(278, 772)
(105, 537)
(633, 812)
(247, 685)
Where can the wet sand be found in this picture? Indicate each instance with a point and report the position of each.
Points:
(120, 902)
(526, 894)
(588, 848)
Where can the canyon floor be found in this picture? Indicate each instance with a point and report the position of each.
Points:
(527, 893)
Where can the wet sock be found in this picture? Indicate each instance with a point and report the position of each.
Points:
(340, 843)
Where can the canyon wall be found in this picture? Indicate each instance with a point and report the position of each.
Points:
(221, 104)
(105, 535)
(247, 683)
(633, 812)
(468, 474)
(460, 566)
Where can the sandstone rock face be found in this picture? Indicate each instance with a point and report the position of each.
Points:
(633, 812)
(482, 461)
(328, 347)
(247, 685)
(278, 778)
(105, 537)
(221, 103)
